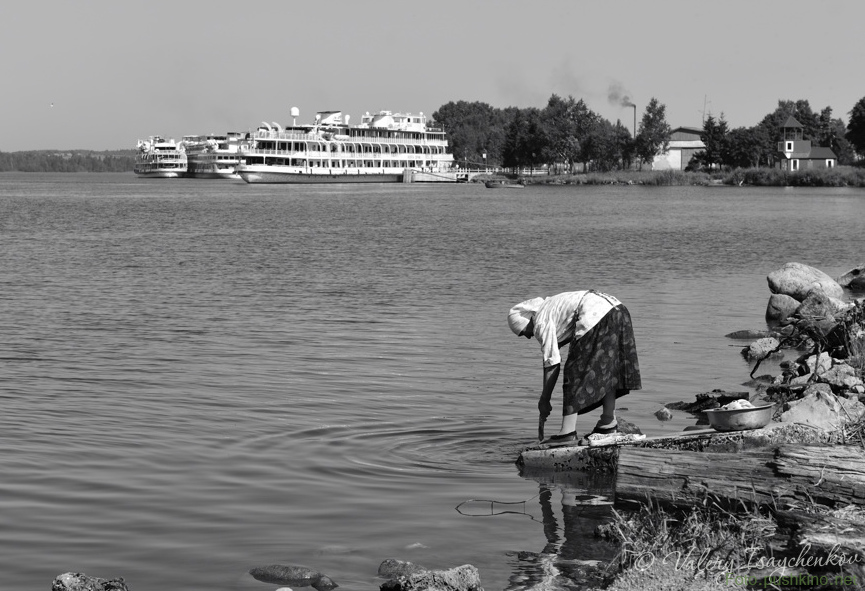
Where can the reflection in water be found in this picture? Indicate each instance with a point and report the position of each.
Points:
(571, 507)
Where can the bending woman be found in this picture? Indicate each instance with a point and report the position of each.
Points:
(602, 360)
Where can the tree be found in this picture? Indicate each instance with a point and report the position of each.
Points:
(474, 129)
(568, 125)
(610, 145)
(745, 147)
(856, 127)
(524, 139)
(832, 133)
(714, 137)
(654, 135)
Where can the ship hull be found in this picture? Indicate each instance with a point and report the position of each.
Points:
(255, 177)
(160, 174)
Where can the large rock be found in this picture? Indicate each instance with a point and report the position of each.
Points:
(822, 411)
(841, 377)
(780, 306)
(796, 280)
(761, 348)
(818, 305)
(299, 576)
(853, 279)
(461, 578)
(81, 582)
(393, 568)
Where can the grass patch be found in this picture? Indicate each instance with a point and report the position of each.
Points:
(839, 176)
(706, 539)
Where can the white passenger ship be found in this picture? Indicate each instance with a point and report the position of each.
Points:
(385, 148)
(214, 156)
(160, 158)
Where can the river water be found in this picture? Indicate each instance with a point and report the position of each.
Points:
(200, 377)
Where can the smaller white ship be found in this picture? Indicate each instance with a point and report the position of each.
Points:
(160, 158)
(214, 156)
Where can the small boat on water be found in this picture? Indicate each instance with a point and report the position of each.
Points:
(503, 185)
(160, 158)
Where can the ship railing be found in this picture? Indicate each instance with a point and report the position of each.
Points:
(292, 136)
(343, 154)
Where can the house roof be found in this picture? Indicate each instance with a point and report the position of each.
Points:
(791, 122)
(817, 153)
(821, 152)
(685, 128)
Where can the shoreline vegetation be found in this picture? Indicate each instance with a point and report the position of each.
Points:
(840, 176)
(810, 533)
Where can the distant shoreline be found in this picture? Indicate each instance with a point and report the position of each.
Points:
(839, 176)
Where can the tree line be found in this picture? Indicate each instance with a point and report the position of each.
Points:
(566, 133)
(755, 146)
(78, 161)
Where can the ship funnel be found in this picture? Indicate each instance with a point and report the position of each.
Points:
(347, 117)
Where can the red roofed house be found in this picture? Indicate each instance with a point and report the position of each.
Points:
(795, 153)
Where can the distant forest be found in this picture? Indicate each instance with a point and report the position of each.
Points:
(68, 161)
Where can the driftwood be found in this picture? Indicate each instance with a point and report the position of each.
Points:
(778, 477)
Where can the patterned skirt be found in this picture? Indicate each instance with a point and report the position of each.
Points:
(603, 360)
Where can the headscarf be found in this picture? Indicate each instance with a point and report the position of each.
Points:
(522, 313)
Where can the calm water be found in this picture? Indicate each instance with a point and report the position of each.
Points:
(200, 377)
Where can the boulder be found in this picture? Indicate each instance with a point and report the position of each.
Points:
(761, 348)
(81, 582)
(392, 568)
(662, 414)
(818, 305)
(819, 363)
(854, 279)
(299, 576)
(796, 280)
(840, 377)
(461, 578)
(750, 334)
(780, 306)
(822, 411)
(625, 426)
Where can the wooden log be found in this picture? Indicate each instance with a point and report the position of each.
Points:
(538, 461)
(829, 475)
(684, 477)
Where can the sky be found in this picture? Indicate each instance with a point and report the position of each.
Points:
(99, 75)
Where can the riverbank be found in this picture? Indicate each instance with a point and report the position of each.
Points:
(765, 527)
(840, 176)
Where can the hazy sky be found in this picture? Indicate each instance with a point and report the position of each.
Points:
(116, 71)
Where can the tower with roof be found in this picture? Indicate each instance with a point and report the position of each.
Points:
(797, 153)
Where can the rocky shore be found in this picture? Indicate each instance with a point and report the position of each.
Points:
(786, 510)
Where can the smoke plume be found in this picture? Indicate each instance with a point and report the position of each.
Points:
(617, 95)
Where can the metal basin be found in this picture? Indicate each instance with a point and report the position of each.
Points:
(741, 419)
